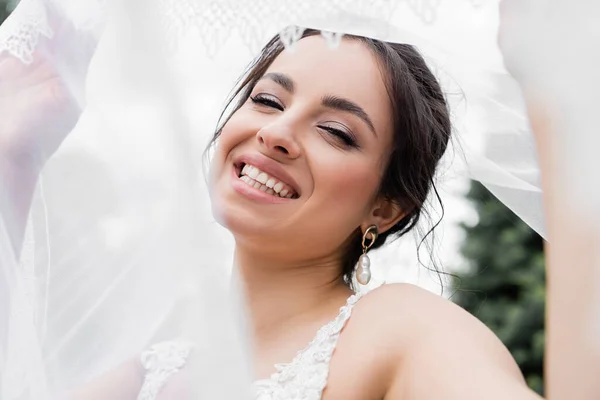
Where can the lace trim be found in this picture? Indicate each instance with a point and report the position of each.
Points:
(215, 21)
(160, 362)
(212, 20)
(304, 378)
(21, 31)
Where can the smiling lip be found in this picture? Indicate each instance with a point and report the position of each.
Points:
(269, 166)
(253, 193)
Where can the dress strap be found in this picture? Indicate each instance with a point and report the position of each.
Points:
(306, 376)
(161, 361)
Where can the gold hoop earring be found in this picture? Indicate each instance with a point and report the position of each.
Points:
(363, 266)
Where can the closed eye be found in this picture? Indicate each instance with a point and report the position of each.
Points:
(267, 101)
(346, 138)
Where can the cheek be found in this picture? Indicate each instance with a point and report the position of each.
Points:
(350, 185)
(340, 201)
(232, 134)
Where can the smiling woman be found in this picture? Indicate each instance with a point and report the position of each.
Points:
(325, 155)
(362, 127)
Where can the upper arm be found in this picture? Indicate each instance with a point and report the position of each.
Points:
(121, 383)
(458, 368)
(452, 355)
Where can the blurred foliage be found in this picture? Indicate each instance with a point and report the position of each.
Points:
(3, 11)
(6, 7)
(505, 283)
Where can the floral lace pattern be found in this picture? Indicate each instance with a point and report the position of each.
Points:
(160, 362)
(304, 378)
(22, 30)
(213, 20)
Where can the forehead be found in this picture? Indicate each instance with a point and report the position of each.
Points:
(351, 64)
(350, 70)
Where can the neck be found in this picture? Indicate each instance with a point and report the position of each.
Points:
(281, 294)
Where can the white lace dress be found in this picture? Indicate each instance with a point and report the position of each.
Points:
(304, 378)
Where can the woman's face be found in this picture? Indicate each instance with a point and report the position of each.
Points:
(297, 167)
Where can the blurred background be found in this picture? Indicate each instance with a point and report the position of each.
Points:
(6, 6)
(496, 268)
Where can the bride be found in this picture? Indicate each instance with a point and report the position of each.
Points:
(324, 155)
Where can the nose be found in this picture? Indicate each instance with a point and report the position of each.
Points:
(278, 140)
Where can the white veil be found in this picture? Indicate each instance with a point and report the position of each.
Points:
(121, 250)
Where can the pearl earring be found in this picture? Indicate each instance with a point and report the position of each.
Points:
(363, 269)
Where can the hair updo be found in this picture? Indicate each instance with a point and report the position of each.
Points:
(421, 130)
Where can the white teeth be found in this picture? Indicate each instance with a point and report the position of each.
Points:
(257, 185)
(252, 173)
(262, 178)
(262, 181)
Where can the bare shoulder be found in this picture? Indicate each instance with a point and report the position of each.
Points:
(431, 325)
(434, 340)
(401, 302)
(433, 318)
(424, 308)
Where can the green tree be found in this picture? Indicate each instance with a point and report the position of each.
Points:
(6, 7)
(3, 11)
(504, 285)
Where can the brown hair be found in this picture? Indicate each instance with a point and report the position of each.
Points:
(421, 126)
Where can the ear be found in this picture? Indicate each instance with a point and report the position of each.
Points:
(384, 214)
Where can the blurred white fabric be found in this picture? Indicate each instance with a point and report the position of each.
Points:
(121, 250)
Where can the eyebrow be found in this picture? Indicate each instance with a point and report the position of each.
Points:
(341, 104)
(283, 80)
(329, 101)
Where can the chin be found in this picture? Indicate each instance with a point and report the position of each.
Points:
(240, 222)
(219, 208)
(227, 213)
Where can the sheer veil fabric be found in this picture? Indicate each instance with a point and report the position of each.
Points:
(121, 249)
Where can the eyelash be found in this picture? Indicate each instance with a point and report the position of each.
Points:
(258, 99)
(345, 137)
